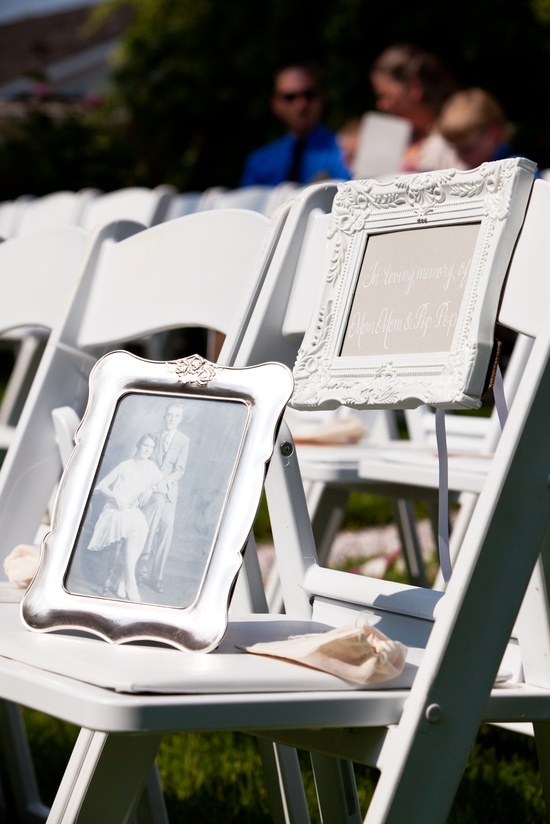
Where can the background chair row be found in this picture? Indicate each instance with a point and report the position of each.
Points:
(90, 208)
(381, 139)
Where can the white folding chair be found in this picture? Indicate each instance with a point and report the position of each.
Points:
(187, 271)
(39, 272)
(183, 203)
(11, 212)
(281, 193)
(138, 203)
(185, 260)
(418, 729)
(244, 197)
(53, 211)
(264, 199)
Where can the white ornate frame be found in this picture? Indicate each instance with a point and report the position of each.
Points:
(495, 196)
(48, 605)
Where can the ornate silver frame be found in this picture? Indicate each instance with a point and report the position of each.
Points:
(494, 198)
(125, 393)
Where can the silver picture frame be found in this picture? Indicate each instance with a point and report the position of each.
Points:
(413, 273)
(157, 501)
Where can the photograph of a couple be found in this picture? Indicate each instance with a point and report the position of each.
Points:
(153, 513)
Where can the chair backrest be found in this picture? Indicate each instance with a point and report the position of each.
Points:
(39, 273)
(11, 212)
(53, 211)
(244, 197)
(210, 197)
(133, 282)
(183, 203)
(143, 205)
(189, 272)
(282, 193)
(262, 334)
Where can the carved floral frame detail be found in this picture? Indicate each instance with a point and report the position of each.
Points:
(494, 196)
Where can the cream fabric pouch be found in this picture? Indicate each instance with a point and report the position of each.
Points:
(21, 564)
(360, 653)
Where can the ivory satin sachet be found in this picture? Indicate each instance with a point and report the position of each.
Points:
(359, 653)
(21, 564)
(325, 428)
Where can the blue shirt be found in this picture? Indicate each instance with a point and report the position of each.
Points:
(322, 159)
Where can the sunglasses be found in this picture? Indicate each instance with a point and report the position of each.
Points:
(290, 97)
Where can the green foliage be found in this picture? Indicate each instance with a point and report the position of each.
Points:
(501, 781)
(51, 742)
(541, 11)
(193, 80)
(365, 510)
(195, 76)
(262, 525)
(217, 772)
(45, 154)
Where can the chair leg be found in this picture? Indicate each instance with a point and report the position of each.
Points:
(336, 790)
(28, 805)
(327, 507)
(405, 520)
(152, 808)
(283, 778)
(104, 779)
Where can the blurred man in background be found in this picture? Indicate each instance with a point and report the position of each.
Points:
(308, 152)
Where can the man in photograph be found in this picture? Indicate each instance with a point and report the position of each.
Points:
(170, 454)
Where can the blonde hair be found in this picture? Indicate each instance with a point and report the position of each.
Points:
(468, 112)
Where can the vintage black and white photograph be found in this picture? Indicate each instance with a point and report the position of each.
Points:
(157, 501)
(154, 510)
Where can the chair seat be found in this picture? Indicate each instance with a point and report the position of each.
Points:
(141, 668)
(404, 463)
(123, 689)
(467, 471)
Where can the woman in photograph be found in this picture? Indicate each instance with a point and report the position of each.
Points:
(127, 488)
